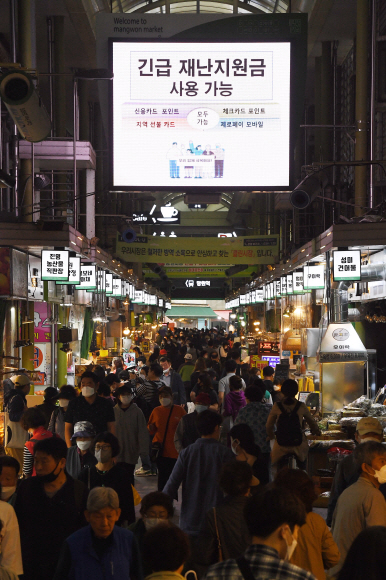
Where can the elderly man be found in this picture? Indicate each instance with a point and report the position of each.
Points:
(362, 504)
(368, 429)
(101, 550)
(173, 380)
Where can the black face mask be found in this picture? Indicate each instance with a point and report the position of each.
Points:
(49, 477)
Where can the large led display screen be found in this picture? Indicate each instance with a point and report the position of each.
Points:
(210, 115)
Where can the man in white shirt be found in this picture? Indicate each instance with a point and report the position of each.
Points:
(223, 385)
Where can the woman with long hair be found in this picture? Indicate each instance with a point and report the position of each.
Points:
(199, 367)
(204, 385)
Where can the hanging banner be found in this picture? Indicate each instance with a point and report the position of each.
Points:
(290, 289)
(87, 277)
(283, 285)
(117, 287)
(313, 277)
(259, 296)
(241, 250)
(73, 271)
(55, 265)
(347, 265)
(277, 288)
(298, 283)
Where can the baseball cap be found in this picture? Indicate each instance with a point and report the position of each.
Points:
(163, 352)
(83, 429)
(21, 380)
(203, 399)
(369, 425)
(188, 356)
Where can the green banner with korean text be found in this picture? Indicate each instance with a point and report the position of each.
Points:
(195, 251)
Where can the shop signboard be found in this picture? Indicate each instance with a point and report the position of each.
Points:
(42, 322)
(268, 348)
(138, 297)
(298, 283)
(257, 362)
(283, 285)
(55, 265)
(259, 296)
(242, 299)
(290, 287)
(117, 287)
(346, 265)
(87, 277)
(109, 284)
(271, 360)
(101, 280)
(168, 305)
(168, 95)
(313, 277)
(277, 289)
(160, 303)
(73, 271)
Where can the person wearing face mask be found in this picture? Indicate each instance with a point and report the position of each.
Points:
(56, 425)
(79, 456)
(368, 429)
(9, 471)
(273, 516)
(166, 563)
(162, 424)
(34, 422)
(187, 432)
(316, 550)
(156, 509)
(361, 505)
(108, 473)
(89, 407)
(131, 428)
(245, 449)
(49, 508)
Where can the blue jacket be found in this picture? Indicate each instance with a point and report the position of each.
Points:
(79, 561)
(198, 468)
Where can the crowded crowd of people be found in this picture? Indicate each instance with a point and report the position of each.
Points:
(217, 436)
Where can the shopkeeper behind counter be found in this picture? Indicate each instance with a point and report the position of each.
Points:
(89, 407)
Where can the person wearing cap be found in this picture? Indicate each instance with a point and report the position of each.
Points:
(368, 429)
(15, 403)
(172, 379)
(166, 415)
(361, 505)
(79, 456)
(185, 371)
(131, 429)
(163, 352)
(187, 432)
(56, 424)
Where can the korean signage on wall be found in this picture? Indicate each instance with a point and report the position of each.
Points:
(313, 277)
(109, 283)
(87, 277)
(190, 111)
(298, 283)
(283, 285)
(290, 284)
(347, 265)
(73, 271)
(55, 265)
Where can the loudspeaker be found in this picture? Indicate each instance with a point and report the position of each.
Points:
(129, 235)
(66, 334)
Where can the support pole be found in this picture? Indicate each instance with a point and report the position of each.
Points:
(361, 105)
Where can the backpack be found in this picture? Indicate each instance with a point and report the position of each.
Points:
(288, 429)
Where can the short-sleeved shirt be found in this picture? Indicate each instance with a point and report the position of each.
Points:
(99, 413)
(159, 417)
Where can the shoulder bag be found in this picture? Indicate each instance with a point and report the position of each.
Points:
(157, 448)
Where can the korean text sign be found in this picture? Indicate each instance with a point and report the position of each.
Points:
(195, 114)
(347, 265)
(240, 250)
(55, 265)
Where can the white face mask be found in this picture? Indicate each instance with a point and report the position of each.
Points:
(88, 391)
(151, 523)
(234, 445)
(290, 549)
(63, 402)
(83, 445)
(6, 492)
(381, 474)
(126, 399)
(276, 388)
(200, 408)
(165, 402)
